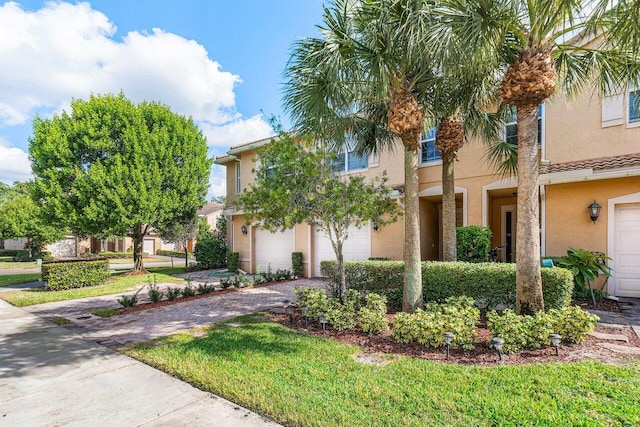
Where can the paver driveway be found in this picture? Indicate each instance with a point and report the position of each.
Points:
(143, 325)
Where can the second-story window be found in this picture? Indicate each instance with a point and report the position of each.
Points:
(634, 103)
(349, 160)
(270, 169)
(238, 179)
(428, 150)
(511, 128)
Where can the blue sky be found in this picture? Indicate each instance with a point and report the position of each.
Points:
(219, 61)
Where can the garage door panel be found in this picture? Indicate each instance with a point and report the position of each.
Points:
(626, 255)
(356, 247)
(274, 249)
(149, 246)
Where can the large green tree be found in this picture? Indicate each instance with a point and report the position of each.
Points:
(542, 47)
(369, 77)
(111, 167)
(20, 217)
(296, 183)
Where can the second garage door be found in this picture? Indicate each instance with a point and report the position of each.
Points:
(627, 250)
(356, 247)
(274, 249)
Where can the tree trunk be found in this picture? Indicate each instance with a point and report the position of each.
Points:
(343, 279)
(186, 256)
(529, 297)
(449, 242)
(412, 295)
(138, 238)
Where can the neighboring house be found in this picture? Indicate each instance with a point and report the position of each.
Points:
(211, 212)
(589, 152)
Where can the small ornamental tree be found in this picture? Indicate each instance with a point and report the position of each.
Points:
(114, 168)
(300, 185)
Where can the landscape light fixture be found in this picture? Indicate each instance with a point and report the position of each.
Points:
(448, 337)
(594, 211)
(290, 309)
(555, 341)
(243, 229)
(305, 314)
(497, 343)
(322, 318)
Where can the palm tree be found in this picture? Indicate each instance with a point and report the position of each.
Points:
(369, 76)
(541, 46)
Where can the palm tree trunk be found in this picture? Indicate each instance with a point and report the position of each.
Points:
(529, 298)
(449, 243)
(412, 295)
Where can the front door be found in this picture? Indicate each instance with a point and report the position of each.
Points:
(508, 232)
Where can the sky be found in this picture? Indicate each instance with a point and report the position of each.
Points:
(218, 61)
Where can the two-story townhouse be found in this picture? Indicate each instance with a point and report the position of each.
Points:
(589, 153)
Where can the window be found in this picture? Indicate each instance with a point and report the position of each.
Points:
(238, 179)
(511, 128)
(634, 104)
(428, 150)
(270, 169)
(349, 161)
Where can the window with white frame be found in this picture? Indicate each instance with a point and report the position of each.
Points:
(238, 178)
(349, 160)
(634, 103)
(428, 150)
(511, 128)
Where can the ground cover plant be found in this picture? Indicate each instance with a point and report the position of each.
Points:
(297, 379)
(116, 285)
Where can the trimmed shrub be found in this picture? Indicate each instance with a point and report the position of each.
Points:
(233, 262)
(155, 294)
(112, 255)
(373, 316)
(188, 291)
(489, 284)
(211, 253)
(12, 252)
(175, 254)
(530, 332)
(314, 299)
(473, 243)
(296, 263)
(68, 275)
(427, 327)
(173, 293)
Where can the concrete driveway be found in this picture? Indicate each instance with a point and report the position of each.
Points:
(50, 376)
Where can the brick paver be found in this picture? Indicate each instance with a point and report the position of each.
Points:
(118, 331)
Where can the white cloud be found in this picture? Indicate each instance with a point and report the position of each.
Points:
(14, 163)
(68, 50)
(217, 181)
(237, 131)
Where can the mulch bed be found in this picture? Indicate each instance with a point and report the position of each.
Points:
(481, 355)
(604, 304)
(151, 305)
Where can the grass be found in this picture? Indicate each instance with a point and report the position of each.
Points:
(305, 381)
(14, 279)
(116, 285)
(105, 312)
(60, 321)
(4, 264)
(130, 260)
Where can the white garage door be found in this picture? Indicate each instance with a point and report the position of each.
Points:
(356, 247)
(626, 255)
(274, 249)
(149, 246)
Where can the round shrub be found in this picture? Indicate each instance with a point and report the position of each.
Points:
(211, 253)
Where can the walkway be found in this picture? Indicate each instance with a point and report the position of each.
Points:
(118, 331)
(49, 376)
(630, 315)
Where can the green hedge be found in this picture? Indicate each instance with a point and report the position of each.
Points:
(211, 253)
(175, 254)
(489, 284)
(113, 255)
(12, 252)
(296, 263)
(473, 243)
(73, 274)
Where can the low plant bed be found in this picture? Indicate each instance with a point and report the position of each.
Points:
(150, 305)
(481, 355)
(604, 304)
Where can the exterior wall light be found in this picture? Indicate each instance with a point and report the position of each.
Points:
(594, 211)
(243, 229)
(376, 227)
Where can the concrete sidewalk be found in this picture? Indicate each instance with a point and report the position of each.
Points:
(50, 376)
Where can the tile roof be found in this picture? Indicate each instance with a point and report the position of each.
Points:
(209, 208)
(602, 163)
(233, 147)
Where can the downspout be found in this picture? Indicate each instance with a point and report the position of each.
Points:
(543, 220)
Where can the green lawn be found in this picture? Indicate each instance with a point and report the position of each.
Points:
(117, 285)
(12, 264)
(14, 279)
(304, 381)
(130, 260)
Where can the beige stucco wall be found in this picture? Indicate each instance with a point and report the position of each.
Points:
(387, 242)
(241, 242)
